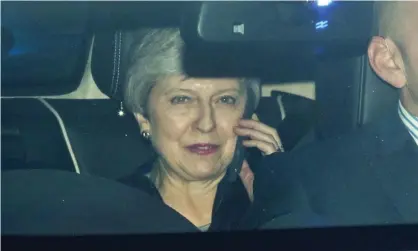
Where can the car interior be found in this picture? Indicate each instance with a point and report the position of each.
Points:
(63, 65)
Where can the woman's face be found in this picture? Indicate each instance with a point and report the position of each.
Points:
(191, 124)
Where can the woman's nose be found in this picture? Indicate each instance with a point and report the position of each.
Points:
(206, 118)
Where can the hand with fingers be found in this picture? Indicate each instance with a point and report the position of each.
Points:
(262, 136)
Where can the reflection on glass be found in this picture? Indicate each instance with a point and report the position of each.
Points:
(321, 24)
(323, 2)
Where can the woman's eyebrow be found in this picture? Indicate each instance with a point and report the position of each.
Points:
(179, 89)
(237, 90)
(171, 90)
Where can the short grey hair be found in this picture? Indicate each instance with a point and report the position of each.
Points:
(153, 55)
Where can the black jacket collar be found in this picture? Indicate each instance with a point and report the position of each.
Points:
(391, 134)
(398, 166)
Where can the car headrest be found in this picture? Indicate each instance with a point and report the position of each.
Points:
(108, 62)
(350, 95)
(376, 96)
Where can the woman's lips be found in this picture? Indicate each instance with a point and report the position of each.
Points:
(203, 149)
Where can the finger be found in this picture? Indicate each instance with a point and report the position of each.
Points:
(257, 135)
(246, 174)
(257, 125)
(247, 177)
(265, 147)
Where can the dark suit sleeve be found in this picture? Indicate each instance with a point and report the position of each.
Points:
(280, 198)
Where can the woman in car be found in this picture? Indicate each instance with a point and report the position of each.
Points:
(193, 124)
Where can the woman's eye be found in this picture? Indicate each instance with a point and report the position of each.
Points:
(228, 100)
(180, 99)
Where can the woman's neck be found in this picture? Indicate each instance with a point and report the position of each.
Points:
(192, 199)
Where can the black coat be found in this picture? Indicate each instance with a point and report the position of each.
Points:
(368, 177)
(233, 209)
(231, 201)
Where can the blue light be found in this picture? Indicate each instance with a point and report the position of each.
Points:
(321, 25)
(15, 51)
(322, 3)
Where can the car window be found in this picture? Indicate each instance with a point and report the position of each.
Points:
(304, 89)
(306, 102)
(39, 58)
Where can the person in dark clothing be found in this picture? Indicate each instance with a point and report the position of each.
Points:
(370, 176)
(193, 124)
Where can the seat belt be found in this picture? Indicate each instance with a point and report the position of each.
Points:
(64, 133)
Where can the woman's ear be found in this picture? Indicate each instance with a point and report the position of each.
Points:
(386, 60)
(143, 122)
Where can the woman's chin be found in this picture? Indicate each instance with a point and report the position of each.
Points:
(204, 170)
